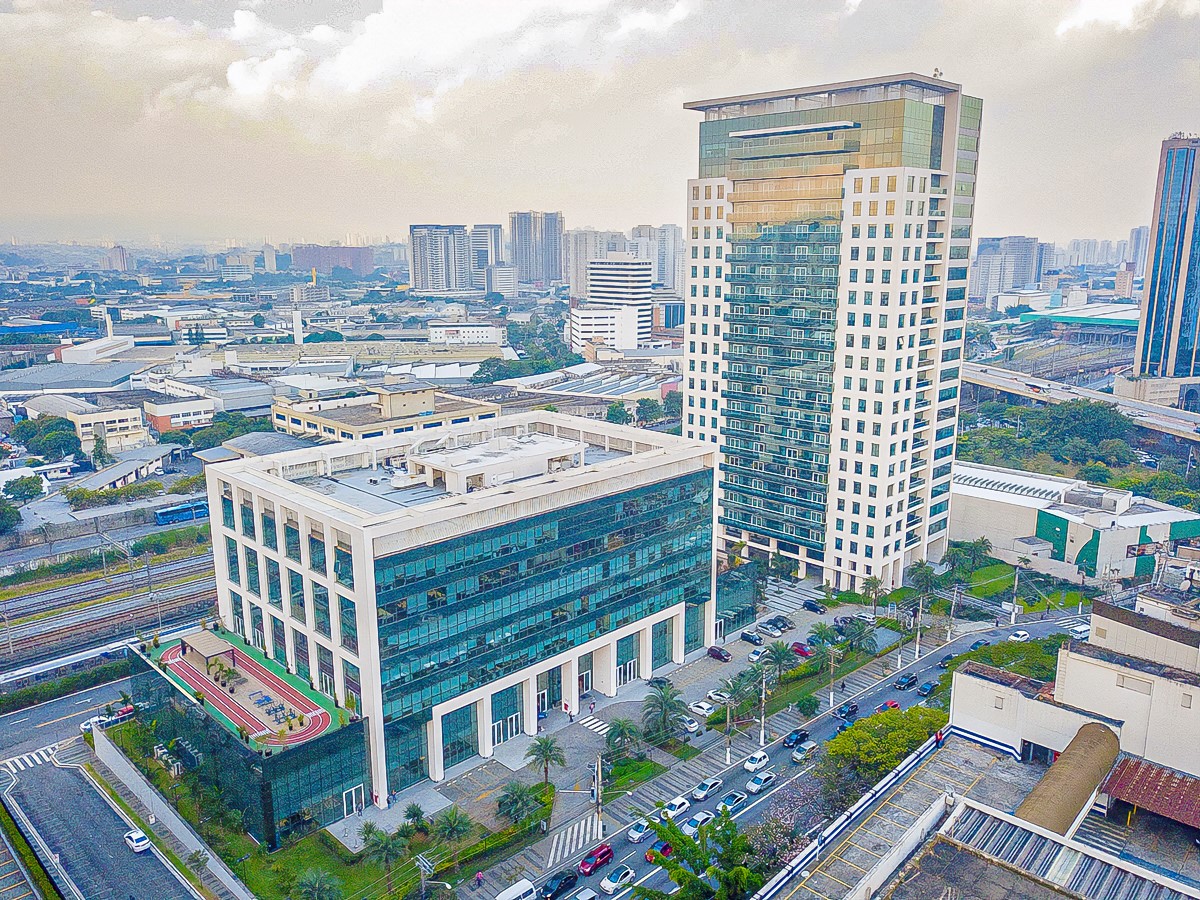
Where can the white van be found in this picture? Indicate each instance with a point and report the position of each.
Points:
(1080, 632)
(521, 890)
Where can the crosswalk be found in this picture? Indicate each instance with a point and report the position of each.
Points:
(593, 724)
(572, 839)
(1072, 621)
(38, 757)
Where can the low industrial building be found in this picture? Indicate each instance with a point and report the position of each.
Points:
(180, 415)
(1063, 526)
(71, 378)
(122, 426)
(374, 412)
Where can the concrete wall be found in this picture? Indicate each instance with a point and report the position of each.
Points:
(162, 811)
(912, 838)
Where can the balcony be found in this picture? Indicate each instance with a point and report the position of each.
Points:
(915, 482)
(926, 342)
(932, 278)
(938, 191)
(918, 463)
(935, 236)
(937, 214)
(915, 501)
(921, 404)
(912, 521)
(930, 298)
(933, 257)
(918, 424)
(926, 362)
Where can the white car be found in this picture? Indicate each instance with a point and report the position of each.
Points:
(760, 782)
(732, 802)
(639, 831)
(1019, 637)
(676, 807)
(616, 879)
(702, 709)
(693, 825)
(768, 629)
(867, 617)
(689, 724)
(137, 841)
(706, 788)
(756, 761)
(93, 722)
(756, 654)
(718, 697)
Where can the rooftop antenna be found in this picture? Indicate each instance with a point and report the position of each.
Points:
(937, 73)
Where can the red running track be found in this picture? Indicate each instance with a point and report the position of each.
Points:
(316, 719)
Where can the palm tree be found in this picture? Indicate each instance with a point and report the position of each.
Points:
(414, 815)
(825, 633)
(546, 752)
(317, 884)
(861, 637)
(366, 829)
(661, 709)
(387, 850)
(872, 587)
(923, 578)
(780, 656)
(453, 825)
(958, 558)
(623, 734)
(518, 801)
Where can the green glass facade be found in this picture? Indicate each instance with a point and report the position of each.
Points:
(459, 614)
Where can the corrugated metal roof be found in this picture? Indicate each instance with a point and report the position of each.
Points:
(1168, 792)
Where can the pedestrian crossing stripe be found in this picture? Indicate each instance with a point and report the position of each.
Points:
(573, 839)
(597, 725)
(25, 761)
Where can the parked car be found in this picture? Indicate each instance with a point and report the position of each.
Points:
(696, 822)
(867, 617)
(846, 723)
(846, 710)
(756, 761)
(658, 681)
(783, 623)
(756, 654)
(814, 606)
(595, 859)
(802, 649)
(1019, 637)
(616, 879)
(675, 808)
(639, 831)
(732, 802)
(718, 697)
(904, 682)
(690, 725)
(719, 653)
(768, 629)
(706, 788)
(702, 708)
(814, 640)
(799, 736)
(980, 643)
(559, 883)
(760, 782)
(927, 688)
(658, 847)
(944, 662)
(804, 752)
(137, 841)
(886, 705)
(751, 638)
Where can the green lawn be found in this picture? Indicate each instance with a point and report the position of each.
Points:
(1065, 600)
(628, 774)
(992, 580)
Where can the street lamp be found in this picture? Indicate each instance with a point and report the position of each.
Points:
(762, 711)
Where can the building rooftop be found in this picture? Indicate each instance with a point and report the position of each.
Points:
(68, 376)
(828, 93)
(1124, 660)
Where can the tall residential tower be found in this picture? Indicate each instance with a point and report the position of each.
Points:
(826, 284)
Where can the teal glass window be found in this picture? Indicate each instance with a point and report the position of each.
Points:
(300, 649)
(252, 581)
(316, 551)
(269, 537)
(321, 609)
(274, 586)
(248, 519)
(348, 620)
(343, 565)
(291, 540)
(232, 561)
(460, 739)
(296, 596)
(239, 615)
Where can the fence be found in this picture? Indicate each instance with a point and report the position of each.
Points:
(129, 775)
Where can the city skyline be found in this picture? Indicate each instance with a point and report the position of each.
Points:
(321, 106)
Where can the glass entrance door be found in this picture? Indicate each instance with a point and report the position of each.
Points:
(506, 729)
(585, 682)
(720, 630)
(543, 698)
(627, 672)
(353, 800)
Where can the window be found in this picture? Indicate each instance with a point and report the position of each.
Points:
(998, 702)
(296, 597)
(232, 561)
(291, 535)
(349, 623)
(321, 609)
(316, 548)
(1186, 701)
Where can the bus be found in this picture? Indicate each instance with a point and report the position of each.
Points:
(184, 512)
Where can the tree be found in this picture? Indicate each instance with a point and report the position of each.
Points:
(923, 578)
(175, 437)
(415, 816)
(958, 558)
(387, 850)
(546, 751)
(317, 884)
(879, 743)
(617, 413)
(661, 711)
(623, 735)
(780, 656)
(649, 410)
(259, 321)
(719, 863)
(673, 404)
(872, 587)
(25, 488)
(825, 633)
(860, 637)
(453, 825)
(518, 801)
(100, 455)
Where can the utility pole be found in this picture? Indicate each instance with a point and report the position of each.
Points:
(600, 792)
(1016, 584)
(953, 604)
(762, 712)
(832, 665)
(917, 649)
(728, 730)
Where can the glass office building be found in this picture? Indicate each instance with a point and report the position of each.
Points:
(453, 584)
(831, 227)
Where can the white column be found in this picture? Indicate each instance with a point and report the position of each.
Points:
(529, 705)
(710, 622)
(483, 724)
(437, 768)
(645, 652)
(604, 669)
(570, 684)
(677, 634)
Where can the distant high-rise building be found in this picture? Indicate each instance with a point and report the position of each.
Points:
(487, 249)
(1123, 283)
(825, 314)
(1045, 260)
(1169, 334)
(581, 246)
(501, 279)
(118, 259)
(666, 249)
(359, 260)
(270, 263)
(537, 243)
(1139, 240)
(440, 258)
(620, 304)
(1004, 263)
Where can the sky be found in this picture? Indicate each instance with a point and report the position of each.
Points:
(283, 120)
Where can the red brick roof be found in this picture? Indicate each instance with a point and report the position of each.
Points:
(1168, 792)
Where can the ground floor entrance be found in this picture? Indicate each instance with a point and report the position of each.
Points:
(353, 800)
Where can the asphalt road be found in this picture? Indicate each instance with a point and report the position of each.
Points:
(821, 729)
(56, 721)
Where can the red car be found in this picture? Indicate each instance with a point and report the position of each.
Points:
(719, 653)
(660, 847)
(886, 705)
(801, 649)
(596, 859)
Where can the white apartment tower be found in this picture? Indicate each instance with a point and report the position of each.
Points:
(487, 249)
(440, 258)
(825, 290)
(620, 280)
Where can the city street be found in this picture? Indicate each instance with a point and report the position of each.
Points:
(682, 778)
(56, 720)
